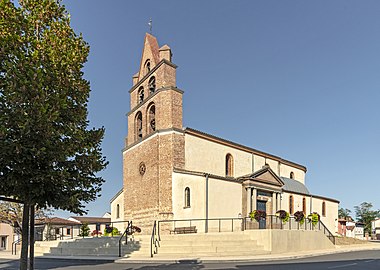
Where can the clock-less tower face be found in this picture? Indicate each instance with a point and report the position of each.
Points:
(155, 140)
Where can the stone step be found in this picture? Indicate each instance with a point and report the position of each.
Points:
(242, 243)
(206, 249)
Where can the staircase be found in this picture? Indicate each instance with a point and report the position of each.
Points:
(97, 246)
(209, 245)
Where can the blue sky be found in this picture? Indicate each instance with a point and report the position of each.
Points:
(298, 79)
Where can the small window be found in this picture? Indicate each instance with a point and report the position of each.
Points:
(229, 165)
(141, 95)
(152, 85)
(323, 209)
(117, 211)
(68, 231)
(304, 205)
(57, 231)
(291, 205)
(291, 175)
(187, 197)
(152, 118)
(147, 66)
(138, 126)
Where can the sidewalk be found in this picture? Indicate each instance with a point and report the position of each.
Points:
(254, 258)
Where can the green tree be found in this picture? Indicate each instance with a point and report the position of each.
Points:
(11, 213)
(365, 214)
(84, 230)
(49, 156)
(344, 213)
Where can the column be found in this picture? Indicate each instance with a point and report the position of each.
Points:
(254, 199)
(278, 201)
(249, 206)
(274, 203)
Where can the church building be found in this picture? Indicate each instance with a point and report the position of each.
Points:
(175, 172)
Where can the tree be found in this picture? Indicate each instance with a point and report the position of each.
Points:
(365, 215)
(11, 213)
(344, 213)
(49, 156)
(84, 230)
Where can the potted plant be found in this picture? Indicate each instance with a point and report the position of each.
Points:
(257, 215)
(299, 216)
(133, 230)
(283, 215)
(313, 218)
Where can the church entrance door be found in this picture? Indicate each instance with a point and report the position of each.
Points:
(262, 205)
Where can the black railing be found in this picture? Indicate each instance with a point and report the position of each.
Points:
(126, 232)
(154, 240)
(274, 222)
(202, 225)
(14, 246)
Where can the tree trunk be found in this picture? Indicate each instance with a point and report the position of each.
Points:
(31, 247)
(25, 238)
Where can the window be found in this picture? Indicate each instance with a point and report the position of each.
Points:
(229, 165)
(57, 231)
(147, 66)
(291, 205)
(68, 231)
(152, 118)
(152, 85)
(138, 126)
(304, 205)
(323, 209)
(187, 197)
(117, 211)
(291, 175)
(141, 95)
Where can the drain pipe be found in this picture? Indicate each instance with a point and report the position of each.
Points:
(311, 204)
(206, 221)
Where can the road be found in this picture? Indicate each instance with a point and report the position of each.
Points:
(367, 260)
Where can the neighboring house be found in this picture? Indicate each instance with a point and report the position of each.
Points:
(56, 228)
(375, 227)
(7, 236)
(94, 223)
(350, 228)
(359, 230)
(342, 227)
(172, 172)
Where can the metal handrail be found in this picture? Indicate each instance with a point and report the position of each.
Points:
(329, 235)
(154, 240)
(14, 244)
(307, 225)
(199, 219)
(126, 231)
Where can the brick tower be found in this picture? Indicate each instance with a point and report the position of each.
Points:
(155, 141)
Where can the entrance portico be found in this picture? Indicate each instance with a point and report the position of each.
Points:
(263, 187)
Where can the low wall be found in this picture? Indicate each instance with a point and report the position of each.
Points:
(282, 241)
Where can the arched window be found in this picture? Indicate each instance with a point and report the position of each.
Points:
(187, 197)
(323, 209)
(117, 211)
(141, 94)
(147, 66)
(152, 118)
(152, 85)
(229, 165)
(291, 175)
(291, 205)
(304, 205)
(138, 126)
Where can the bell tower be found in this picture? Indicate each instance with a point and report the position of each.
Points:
(155, 140)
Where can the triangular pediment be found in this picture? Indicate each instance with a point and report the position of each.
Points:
(151, 53)
(264, 175)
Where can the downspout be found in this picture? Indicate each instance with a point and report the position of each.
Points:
(311, 204)
(206, 205)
